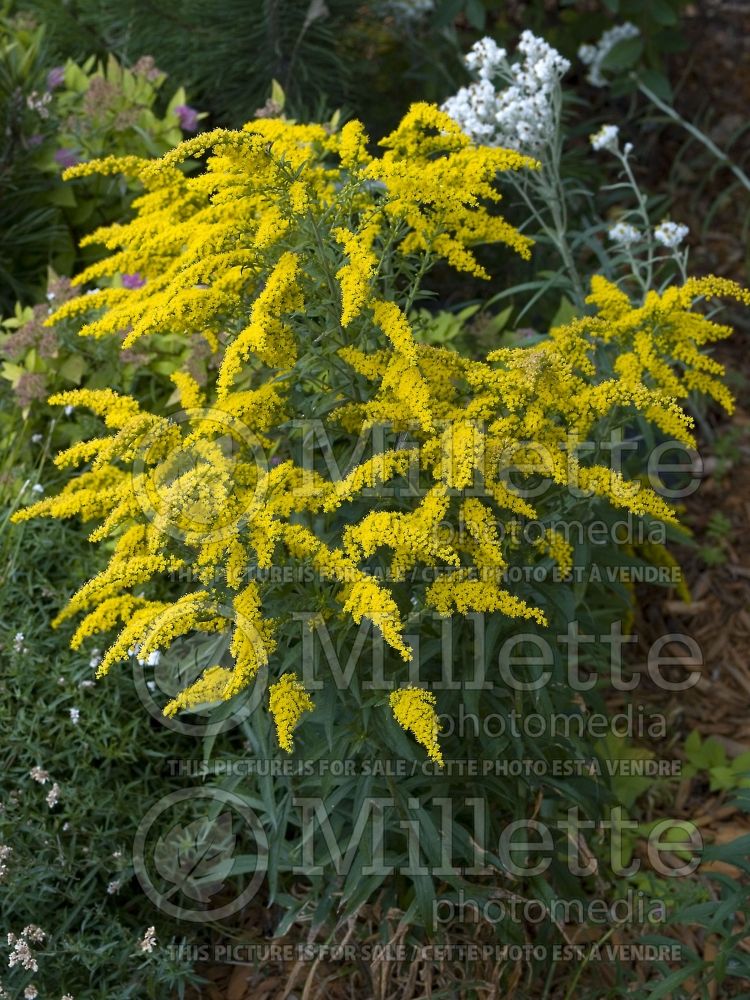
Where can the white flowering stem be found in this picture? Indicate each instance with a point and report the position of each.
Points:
(681, 259)
(548, 188)
(645, 283)
(553, 192)
(558, 207)
(696, 133)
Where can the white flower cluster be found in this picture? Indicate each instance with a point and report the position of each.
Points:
(5, 853)
(149, 940)
(521, 115)
(624, 234)
(22, 954)
(594, 55)
(410, 10)
(605, 138)
(38, 102)
(670, 234)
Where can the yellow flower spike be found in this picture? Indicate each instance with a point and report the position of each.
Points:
(191, 394)
(288, 701)
(351, 144)
(414, 710)
(554, 544)
(208, 688)
(356, 275)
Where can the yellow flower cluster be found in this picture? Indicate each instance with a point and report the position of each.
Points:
(555, 545)
(660, 344)
(287, 701)
(414, 710)
(281, 253)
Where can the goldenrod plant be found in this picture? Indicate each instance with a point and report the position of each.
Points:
(298, 255)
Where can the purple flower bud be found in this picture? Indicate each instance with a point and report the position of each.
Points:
(55, 77)
(132, 281)
(34, 140)
(66, 158)
(187, 117)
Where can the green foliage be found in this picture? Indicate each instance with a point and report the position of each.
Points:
(52, 117)
(375, 57)
(230, 57)
(718, 533)
(37, 361)
(461, 329)
(70, 867)
(710, 756)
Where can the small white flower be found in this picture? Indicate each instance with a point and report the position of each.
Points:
(75, 715)
(37, 488)
(624, 233)
(627, 148)
(5, 853)
(87, 684)
(37, 438)
(96, 658)
(53, 795)
(117, 855)
(21, 954)
(410, 10)
(39, 774)
(149, 940)
(31, 992)
(151, 685)
(670, 234)
(61, 681)
(605, 138)
(68, 410)
(68, 996)
(33, 933)
(594, 55)
(152, 660)
(114, 886)
(18, 645)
